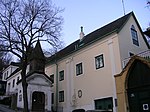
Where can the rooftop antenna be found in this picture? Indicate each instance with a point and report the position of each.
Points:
(123, 7)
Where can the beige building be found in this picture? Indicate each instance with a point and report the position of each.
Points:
(83, 72)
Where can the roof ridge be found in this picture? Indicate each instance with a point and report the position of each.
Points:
(98, 34)
(111, 22)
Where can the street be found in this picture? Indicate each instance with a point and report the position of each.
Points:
(4, 108)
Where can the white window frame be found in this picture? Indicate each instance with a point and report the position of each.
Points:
(99, 61)
(134, 36)
(79, 69)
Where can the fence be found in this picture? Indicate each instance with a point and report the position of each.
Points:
(145, 54)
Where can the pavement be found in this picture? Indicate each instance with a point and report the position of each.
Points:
(4, 108)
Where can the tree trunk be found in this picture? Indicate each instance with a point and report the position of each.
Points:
(24, 86)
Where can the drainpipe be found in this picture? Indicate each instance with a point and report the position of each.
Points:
(56, 86)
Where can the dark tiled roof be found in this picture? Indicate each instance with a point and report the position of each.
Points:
(98, 34)
(114, 26)
(33, 72)
(15, 63)
(67, 50)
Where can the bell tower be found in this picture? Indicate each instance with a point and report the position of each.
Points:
(37, 59)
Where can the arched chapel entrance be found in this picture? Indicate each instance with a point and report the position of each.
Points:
(138, 87)
(38, 101)
(133, 86)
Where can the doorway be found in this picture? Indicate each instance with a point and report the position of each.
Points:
(38, 101)
(138, 88)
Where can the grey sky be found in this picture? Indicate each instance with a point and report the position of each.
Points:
(93, 14)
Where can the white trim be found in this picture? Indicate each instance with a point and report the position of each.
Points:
(131, 35)
(80, 62)
(113, 70)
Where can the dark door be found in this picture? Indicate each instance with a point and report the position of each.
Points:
(14, 101)
(139, 88)
(139, 101)
(38, 101)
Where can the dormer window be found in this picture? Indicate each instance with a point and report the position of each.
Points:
(134, 36)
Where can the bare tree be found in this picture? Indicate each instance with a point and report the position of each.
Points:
(148, 4)
(5, 59)
(51, 51)
(22, 23)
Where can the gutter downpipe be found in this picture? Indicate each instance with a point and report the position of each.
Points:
(56, 85)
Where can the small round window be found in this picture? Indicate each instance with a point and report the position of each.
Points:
(80, 93)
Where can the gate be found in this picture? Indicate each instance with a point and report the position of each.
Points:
(138, 88)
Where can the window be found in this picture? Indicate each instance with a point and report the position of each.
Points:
(134, 36)
(52, 78)
(20, 97)
(17, 78)
(61, 96)
(61, 75)
(7, 74)
(104, 104)
(79, 69)
(99, 61)
(8, 89)
(13, 83)
(52, 98)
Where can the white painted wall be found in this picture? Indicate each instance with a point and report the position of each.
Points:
(125, 40)
(36, 82)
(7, 72)
(10, 89)
(20, 96)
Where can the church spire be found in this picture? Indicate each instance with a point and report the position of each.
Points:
(37, 52)
(37, 59)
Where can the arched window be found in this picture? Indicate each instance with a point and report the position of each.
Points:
(134, 36)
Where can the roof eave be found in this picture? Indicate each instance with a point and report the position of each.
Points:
(118, 30)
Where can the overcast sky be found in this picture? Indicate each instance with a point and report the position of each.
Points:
(93, 14)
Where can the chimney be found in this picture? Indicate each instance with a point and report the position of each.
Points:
(81, 33)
